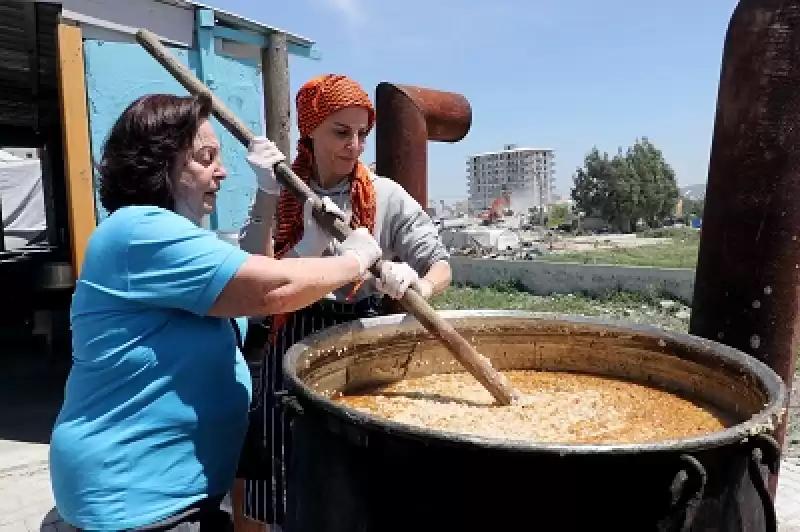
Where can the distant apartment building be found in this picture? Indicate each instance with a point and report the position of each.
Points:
(527, 173)
(460, 208)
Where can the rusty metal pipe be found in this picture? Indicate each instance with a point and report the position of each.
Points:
(748, 272)
(408, 117)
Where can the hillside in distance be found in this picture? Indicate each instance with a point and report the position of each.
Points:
(693, 192)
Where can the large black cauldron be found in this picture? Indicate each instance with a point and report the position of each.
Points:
(350, 472)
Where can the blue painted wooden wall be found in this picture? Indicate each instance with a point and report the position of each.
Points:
(118, 73)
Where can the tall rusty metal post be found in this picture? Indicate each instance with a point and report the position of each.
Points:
(748, 271)
(407, 118)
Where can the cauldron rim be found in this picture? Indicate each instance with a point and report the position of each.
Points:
(761, 422)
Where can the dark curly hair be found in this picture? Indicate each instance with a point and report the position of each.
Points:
(144, 149)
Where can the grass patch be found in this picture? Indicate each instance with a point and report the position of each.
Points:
(639, 308)
(676, 233)
(666, 256)
(680, 253)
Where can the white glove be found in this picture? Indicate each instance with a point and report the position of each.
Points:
(395, 278)
(263, 155)
(315, 239)
(363, 246)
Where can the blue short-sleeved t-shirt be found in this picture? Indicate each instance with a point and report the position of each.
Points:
(156, 404)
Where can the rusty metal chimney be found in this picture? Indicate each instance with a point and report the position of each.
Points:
(748, 272)
(407, 118)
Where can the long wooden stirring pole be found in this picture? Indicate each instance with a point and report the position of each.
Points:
(475, 363)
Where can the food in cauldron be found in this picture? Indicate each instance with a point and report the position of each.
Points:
(555, 407)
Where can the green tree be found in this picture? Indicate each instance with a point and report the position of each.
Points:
(634, 185)
(558, 214)
(625, 194)
(590, 189)
(603, 187)
(658, 189)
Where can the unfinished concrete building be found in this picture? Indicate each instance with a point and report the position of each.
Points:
(528, 173)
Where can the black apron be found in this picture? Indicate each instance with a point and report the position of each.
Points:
(265, 476)
(213, 514)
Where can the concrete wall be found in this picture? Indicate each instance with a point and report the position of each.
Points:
(545, 278)
(119, 72)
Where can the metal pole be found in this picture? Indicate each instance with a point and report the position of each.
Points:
(748, 271)
(275, 79)
(2, 229)
(275, 65)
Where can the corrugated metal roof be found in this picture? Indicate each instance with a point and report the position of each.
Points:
(240, 22)
(28, 63)
(16, 105)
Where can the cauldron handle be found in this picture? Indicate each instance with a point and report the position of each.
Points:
(289, 403)
(765, 451)
(687, 491)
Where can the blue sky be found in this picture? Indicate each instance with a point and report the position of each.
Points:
(561, 74)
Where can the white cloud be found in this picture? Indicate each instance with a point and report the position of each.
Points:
(353, 11)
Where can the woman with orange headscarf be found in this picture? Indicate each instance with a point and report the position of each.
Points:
(334, 117)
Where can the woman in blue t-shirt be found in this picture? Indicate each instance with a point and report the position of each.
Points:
(156, 404)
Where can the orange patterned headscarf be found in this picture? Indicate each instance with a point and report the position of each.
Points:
(316, 101)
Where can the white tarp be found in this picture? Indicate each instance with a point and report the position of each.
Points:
(23, 199)
(485, 237)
